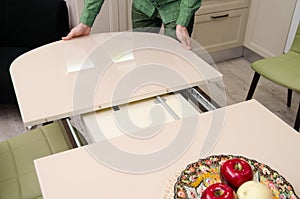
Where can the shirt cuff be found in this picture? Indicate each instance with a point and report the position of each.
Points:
(183, 19)
(87, 19)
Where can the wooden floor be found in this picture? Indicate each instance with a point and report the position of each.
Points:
(237, 76)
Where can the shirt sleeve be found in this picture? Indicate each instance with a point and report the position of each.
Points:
(90, 11)
(187, 10)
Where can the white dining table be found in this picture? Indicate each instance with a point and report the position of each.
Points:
(100, 171)
(67, 78)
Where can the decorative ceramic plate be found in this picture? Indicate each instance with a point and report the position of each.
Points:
(199, 175)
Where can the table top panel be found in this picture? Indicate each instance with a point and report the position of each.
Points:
(98, 71)
(242, 131)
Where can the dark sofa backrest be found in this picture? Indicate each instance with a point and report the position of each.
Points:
(32, 23)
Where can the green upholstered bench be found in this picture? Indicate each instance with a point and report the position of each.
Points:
(18, 179)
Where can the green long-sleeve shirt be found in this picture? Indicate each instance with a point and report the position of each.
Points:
(179, 11)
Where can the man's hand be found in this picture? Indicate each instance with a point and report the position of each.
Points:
(78, 31)
(183, 36)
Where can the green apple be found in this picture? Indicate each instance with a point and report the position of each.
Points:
(254, 190)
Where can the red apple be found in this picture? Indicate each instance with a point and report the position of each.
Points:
(218, 191)
(235, 172)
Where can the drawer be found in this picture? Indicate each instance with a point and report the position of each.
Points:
(211, 6)
(131, 118)
(221, 30)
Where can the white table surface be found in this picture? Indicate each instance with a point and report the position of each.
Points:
(246, 129)
(81, 75)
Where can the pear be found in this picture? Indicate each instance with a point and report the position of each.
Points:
(254, 190)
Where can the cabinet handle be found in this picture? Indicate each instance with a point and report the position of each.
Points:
(220, 16)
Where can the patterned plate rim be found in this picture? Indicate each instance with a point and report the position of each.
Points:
(230, 157)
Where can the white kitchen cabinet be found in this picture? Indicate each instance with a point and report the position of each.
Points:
(220, 25)
(268, 26)
(222, 30)
(260, 25)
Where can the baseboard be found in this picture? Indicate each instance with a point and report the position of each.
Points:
(227, 54)
(219, 56)
(250, 55)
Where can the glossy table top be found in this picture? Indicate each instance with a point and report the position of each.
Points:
(102, 70)
(148, 166)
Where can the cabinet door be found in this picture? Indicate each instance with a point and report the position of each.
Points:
(220, 30)
(268, 26)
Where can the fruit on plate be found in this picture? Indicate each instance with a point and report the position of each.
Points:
(218, 191)
(235, 172)
(252, 189)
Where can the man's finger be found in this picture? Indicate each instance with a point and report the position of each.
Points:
(68, 37)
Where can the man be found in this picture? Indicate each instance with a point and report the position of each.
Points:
(177, 17)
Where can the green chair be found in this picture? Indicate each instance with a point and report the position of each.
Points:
(18, 179)
(283, 70)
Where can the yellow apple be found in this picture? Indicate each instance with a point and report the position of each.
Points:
(254, 190)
